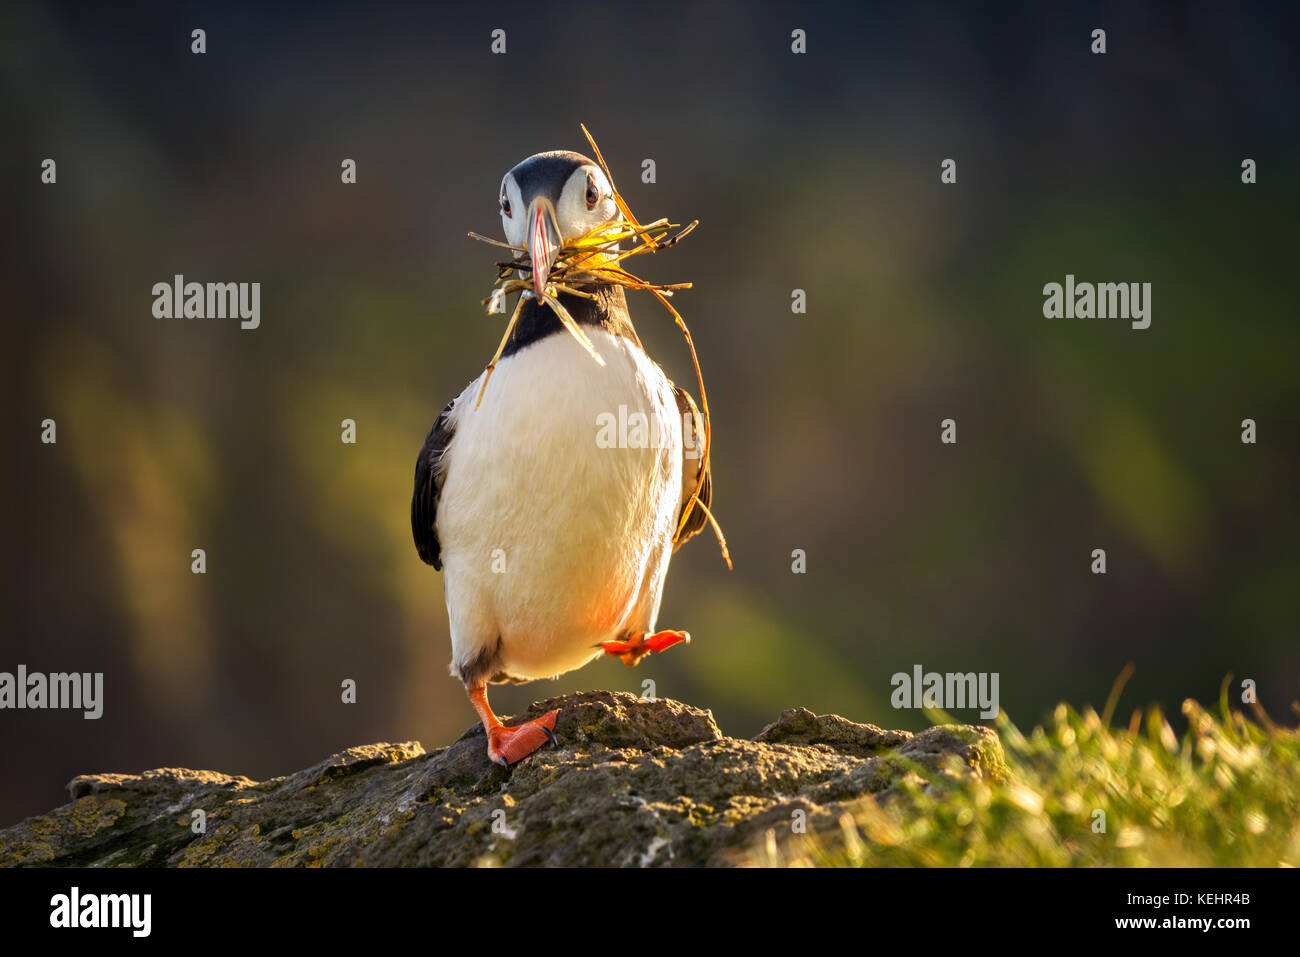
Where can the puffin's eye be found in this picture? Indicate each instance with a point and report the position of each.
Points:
(505, 203)
(593, 192)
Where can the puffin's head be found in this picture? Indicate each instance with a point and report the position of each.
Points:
(552, 198)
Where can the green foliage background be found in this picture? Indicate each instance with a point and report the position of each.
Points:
(818, 172)
(1079, 793)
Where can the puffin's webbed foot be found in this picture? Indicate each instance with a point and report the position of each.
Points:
(507, 746)
(640, 645)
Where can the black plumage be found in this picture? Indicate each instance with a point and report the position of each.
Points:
(697, 519)
(537, 320)
(544, 174)
(428, 484)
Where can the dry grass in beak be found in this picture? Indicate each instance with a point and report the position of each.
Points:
(594, 260)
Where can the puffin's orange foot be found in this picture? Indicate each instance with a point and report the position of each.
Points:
(639, 646)
(507, 746)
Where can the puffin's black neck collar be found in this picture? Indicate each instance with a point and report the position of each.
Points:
(538, 320)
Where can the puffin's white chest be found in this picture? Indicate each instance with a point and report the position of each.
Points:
(560, 494)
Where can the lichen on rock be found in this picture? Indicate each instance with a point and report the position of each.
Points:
(633, 782)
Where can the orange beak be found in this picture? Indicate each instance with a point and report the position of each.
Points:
(543, 242)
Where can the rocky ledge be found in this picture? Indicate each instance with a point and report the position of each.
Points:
(632, 783)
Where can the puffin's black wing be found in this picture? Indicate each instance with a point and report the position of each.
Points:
(428, 486)
(693, 448)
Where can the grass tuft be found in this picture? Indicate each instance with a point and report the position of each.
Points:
(1083, 794)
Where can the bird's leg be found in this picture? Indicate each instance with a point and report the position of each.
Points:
(641, 644)
(507, 746)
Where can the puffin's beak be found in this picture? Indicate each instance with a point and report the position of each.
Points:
(543, 241)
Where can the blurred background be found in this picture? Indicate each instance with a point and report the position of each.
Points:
(818, 172)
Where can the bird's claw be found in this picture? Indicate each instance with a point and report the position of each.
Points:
(509, 746)
(640, 645)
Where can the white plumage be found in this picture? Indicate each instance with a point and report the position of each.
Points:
(551, 543)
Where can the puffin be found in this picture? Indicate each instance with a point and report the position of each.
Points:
(553, 531)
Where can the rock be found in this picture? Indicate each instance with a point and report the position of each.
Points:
(633, 783)
(801, 726)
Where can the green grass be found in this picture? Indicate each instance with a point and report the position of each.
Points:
(1225, 794)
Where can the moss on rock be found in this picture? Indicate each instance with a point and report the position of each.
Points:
(633, 783)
